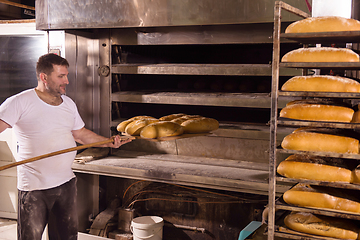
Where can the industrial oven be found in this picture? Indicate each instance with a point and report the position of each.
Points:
(210, 58)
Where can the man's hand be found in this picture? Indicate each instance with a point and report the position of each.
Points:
(85, 136)
(118, 141)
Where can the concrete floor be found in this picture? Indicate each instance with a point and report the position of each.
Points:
(8, 232)
(7, 229)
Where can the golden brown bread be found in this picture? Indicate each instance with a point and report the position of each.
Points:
(317, 112)
(315, 168)
(121, 126)
(321, 54)
(323, 24)
(134, 128)
(171, 116)
(322, 225)
(322, 197)
(200, 125)
(356, 117)
(161, 129)
(184, 118)
(355, 177)
(303, 140)
(321, 83)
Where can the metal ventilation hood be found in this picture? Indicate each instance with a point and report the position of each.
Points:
(85, 14)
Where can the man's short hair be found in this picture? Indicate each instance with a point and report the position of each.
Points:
(46, 62)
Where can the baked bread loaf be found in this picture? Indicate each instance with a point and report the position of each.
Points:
(355, 177)
(315, 168)
(322, 197)
(200, 125)
(317, 112)
(305, 140)
(321, 83)
(171, 116)
(184, 118)
(321, 54)
(121, 126)
(323, 24)
(322, 225)
(161, 129)
(134, 128)
(356, 117)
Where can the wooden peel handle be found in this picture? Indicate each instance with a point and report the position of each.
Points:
(14, 164)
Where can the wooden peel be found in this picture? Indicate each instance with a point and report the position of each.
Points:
(186, 135)
(14, 164)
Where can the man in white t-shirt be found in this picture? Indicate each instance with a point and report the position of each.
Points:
(45, 120)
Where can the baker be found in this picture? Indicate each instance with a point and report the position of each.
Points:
(45, 120)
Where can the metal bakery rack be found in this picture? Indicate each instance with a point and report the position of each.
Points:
(304, 38)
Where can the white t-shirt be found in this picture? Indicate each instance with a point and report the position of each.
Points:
(41, 128)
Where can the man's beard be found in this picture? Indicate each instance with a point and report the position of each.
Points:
(55, 91)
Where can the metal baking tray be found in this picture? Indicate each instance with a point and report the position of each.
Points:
(319, 183)
(304, 123)
(322, 65)
(281, 204)
(284, 232)
(318, 94)
(324, 37)
(281, 230)
(323, 154)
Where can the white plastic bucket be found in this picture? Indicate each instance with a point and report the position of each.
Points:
(147, 227)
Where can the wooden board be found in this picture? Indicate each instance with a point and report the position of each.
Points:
(186, 135)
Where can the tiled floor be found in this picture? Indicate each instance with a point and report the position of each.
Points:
(8, 232)
(7, 229)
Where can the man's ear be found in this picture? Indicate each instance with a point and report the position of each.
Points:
(43, 77)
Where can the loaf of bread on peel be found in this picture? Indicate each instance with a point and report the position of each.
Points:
(323, 24)
(321, 54)
(317, 112)
(200, 125)
(121, 126)
(134, 128)
(322, 225)
(321, 83)
(315, 168)
(320, 142)
(184, 118)
(312, 196)
(161, 129)
(171, 116)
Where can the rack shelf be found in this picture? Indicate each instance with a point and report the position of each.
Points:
(322, 65)
(319, 183)
(298, 123)
(251, 100)
(322, 154)
(289, 234)
(232, 175)
(201, 69)
(319, 94)
(305, 38)
(280, 204)
(323, 37)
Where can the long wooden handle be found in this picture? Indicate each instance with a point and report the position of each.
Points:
(14, 164)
